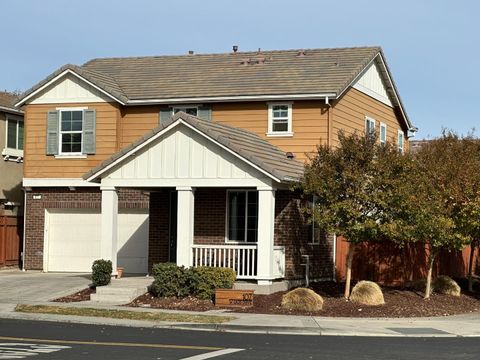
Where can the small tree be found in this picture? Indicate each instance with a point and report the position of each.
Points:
(348, 185)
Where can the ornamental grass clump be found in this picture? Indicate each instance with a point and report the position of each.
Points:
(367, 293)
(302, 299)
(446, 285)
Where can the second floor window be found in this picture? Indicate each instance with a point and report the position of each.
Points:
(14, 133)
(280, 119)
(383, 133)
(401, 141)
(71, 128)
(369, 126)
(190, 110)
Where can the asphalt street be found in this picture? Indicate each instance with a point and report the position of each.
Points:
(21, 339)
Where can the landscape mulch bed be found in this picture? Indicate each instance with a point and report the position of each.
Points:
(82, 295)
(398, 303)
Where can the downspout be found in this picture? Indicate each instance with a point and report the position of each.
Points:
(334, 274)
(329, 122)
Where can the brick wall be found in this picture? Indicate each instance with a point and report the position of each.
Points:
(159, 227)
(210, 216)
(293, 231)
(63, 198)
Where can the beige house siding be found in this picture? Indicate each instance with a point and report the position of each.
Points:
(11, 176)
(350, 111)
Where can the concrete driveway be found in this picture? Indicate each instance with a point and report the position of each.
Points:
(17, 286)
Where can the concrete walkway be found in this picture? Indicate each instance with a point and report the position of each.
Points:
(22, 286)
(451, 326)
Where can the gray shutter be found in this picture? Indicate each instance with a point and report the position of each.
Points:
(52, 133)
(165, 115)
(88, 136)
(205, 113)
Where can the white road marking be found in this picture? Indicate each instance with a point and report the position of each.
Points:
(23, 350)
(213, 354)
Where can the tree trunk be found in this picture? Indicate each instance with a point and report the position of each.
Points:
(473, 245)
(351, 250)
(431, 260)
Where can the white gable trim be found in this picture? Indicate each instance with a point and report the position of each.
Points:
(168, 128)
(372, 84)
(59, 76)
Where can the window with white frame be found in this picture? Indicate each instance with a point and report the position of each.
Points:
(315, 232)
(401, 141)
(190, 110)
(14, 136)
(71, 127)
(242, 215)
(369, 126)
(280, 119)
(383, 133)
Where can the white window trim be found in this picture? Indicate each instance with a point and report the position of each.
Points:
(69, 155)
(401, 148)
(289, 132)
(227, 217)
(11, 154)
(311, 240)
(383, 125)
(183, 107)
(367, 120)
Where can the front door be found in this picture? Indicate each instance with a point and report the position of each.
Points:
(172, 233)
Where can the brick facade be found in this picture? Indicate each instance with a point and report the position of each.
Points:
(63, 198)
(291, 227)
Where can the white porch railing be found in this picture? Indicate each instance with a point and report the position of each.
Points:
(241, 258)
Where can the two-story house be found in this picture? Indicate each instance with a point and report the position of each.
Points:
(11, 173)
(191, 158)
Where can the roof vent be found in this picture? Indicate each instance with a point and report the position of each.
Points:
(301, 53)
(245, 62)
(289, 155)
(191, 52)
(235, 48)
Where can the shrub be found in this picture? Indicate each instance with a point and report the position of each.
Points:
(101, 272)
(302, 299)
(367, 293)
(169, 280)
(204, 280)
(446, 285)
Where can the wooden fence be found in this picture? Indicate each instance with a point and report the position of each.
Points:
(11, 229)
(387, 264)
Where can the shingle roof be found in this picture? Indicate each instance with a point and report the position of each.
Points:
(7, 102)
(211, 75)
(244, 143)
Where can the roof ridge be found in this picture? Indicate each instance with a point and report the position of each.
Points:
(371, 47)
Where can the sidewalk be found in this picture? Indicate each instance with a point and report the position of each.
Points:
(451, 326)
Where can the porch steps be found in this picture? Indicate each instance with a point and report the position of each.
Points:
(121, 291)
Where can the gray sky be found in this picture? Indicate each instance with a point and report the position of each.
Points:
(432, 47)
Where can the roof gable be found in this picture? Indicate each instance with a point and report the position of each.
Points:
(238, 148)
(373, 84)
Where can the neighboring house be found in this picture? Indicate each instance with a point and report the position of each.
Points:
(111, 174)
(11, 173)
(11, 145)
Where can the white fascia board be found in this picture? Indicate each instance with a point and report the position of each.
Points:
(232, 98)
(57, 182)
(59, 76)
(10, 110)
(170, 127)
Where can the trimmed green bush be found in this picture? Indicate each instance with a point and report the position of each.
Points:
(204, 280)
(101, 272)
(171, 280)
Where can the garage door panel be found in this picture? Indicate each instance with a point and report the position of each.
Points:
(74, 240)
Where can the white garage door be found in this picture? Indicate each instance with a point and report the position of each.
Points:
(72, 240)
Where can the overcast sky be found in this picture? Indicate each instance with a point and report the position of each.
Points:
(432, 47)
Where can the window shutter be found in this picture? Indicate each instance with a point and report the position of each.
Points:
(205, 112)
(88, 136)
(52, 133)
(165, 115)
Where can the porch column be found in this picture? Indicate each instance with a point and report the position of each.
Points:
(266, 220)
(185, 206)
(108, 242)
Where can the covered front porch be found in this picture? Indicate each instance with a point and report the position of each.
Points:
(212, 197)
